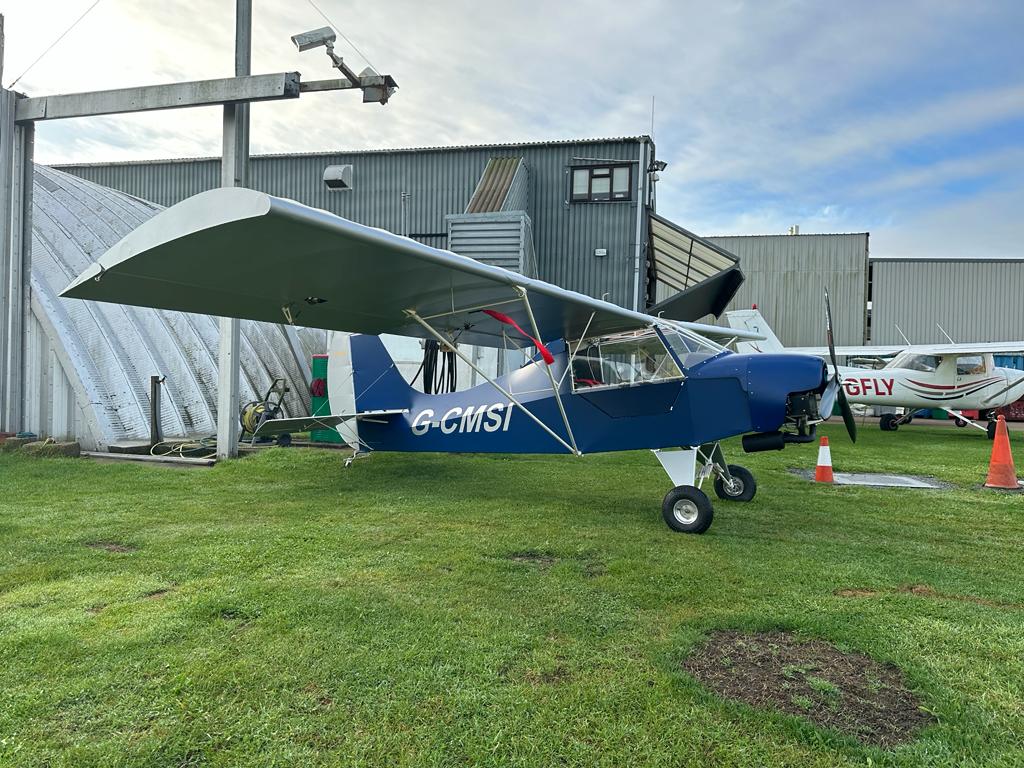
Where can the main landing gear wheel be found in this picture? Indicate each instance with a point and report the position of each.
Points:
(687, 509)
(960, 423)
(742, 488)
(991, 430)
(889, 422)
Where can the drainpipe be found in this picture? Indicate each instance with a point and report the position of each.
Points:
(641, 209)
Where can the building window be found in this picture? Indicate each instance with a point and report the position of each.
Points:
(602, 183)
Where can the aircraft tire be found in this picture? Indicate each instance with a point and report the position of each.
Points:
(747, 485)
(991, 430)
(887, 422)
(687, 509)
(960, 423)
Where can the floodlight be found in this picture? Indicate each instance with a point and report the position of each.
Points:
(314, 39)
(658, 165)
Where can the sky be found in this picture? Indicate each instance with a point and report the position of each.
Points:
(905, 120)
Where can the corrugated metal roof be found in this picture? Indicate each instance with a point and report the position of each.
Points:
(956, 259)
(377, 151)
(494, 185)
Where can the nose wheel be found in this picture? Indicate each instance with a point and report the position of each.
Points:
(686, 508)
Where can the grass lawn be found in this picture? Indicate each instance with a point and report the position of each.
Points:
(475, 610)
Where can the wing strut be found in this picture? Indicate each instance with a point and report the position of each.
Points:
(547, 368)
(462, 356)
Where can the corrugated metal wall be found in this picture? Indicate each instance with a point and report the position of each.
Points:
(88, 363)
(786, 275)
(437, 182)
(972, 299)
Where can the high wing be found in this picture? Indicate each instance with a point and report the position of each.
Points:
(236, 252)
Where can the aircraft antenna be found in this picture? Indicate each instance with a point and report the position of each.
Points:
(943, 332)
(901, 333)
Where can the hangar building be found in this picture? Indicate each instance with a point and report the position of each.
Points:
(972, 299)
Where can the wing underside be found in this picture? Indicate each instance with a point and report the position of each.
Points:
(241, 253)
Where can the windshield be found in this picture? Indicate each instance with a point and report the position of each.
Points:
(690, 348)
(622, 359)
(915, 362)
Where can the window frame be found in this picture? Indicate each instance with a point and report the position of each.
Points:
(618, 338)
(610, 167)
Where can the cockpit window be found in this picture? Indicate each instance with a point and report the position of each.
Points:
(925, 363)
(970, 365)
(621, 360)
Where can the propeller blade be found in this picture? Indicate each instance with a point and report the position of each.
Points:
(828, 398)
(847, 411)
(829, 335)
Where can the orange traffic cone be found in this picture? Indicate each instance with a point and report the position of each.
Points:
(1001, 472)
(823, 472)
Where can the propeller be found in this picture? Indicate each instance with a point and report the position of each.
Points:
(834, 388)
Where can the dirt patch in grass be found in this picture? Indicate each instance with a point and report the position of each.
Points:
(923, 590)
(554, 676)
(533, 557)
(155, 594)
(846, 692)
(111, 546)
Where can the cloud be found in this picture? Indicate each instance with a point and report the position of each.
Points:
(840, 117)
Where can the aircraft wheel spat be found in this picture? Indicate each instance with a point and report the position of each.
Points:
(1001, 471)
(823, 472)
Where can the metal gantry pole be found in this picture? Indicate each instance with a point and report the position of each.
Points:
(234, 172)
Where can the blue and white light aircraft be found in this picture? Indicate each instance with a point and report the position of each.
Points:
(599, 377)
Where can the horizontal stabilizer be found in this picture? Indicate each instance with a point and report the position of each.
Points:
(306, 423)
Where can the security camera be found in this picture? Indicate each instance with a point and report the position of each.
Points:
(338, 177)
(314, 39)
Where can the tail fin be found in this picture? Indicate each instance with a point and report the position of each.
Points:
(361, 377)
(376, 381)
(752, 320)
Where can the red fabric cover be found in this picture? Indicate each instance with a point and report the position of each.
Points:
(501, 318)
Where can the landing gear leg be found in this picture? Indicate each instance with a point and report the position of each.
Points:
(686, 508)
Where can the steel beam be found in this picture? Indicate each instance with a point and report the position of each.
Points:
(234, 172)
(228, 90)
(17, 277)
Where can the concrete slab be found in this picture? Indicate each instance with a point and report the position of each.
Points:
(884, 481)
(873, 480)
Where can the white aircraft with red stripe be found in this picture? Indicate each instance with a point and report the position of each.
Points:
(953, 377)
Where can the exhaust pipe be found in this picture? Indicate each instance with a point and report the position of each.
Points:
(773, 441)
